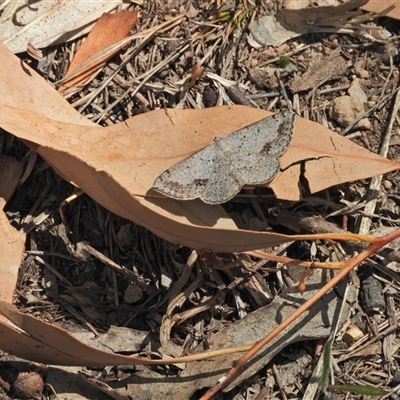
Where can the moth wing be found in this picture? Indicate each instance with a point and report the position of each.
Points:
(255, 169)
(217, 173)
(223, 184)
(187, 179)
(271, 135)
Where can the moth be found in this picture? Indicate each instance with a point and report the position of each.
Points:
(217, 172)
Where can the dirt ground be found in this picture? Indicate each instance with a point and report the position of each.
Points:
(89, 295)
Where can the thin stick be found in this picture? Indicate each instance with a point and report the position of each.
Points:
(283, 90)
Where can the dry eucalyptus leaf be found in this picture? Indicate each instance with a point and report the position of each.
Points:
(321, 69)
(12, 242)
(377, 6)
(90, 56)
(117, 165)
(51, 23)
(43, 342)
(275, 30)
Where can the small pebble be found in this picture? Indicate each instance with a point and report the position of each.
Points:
(253, 62)
(362, 73)
(210, 97)
(269, 53)
(264, 77)
(296, 4)
(356, 92)
(387, 184)
(283, 48)
(133, 293)
(28, 385)
(344, 110)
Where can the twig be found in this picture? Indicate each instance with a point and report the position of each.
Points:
(283, 90)
(150, 35)
(387, 80)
